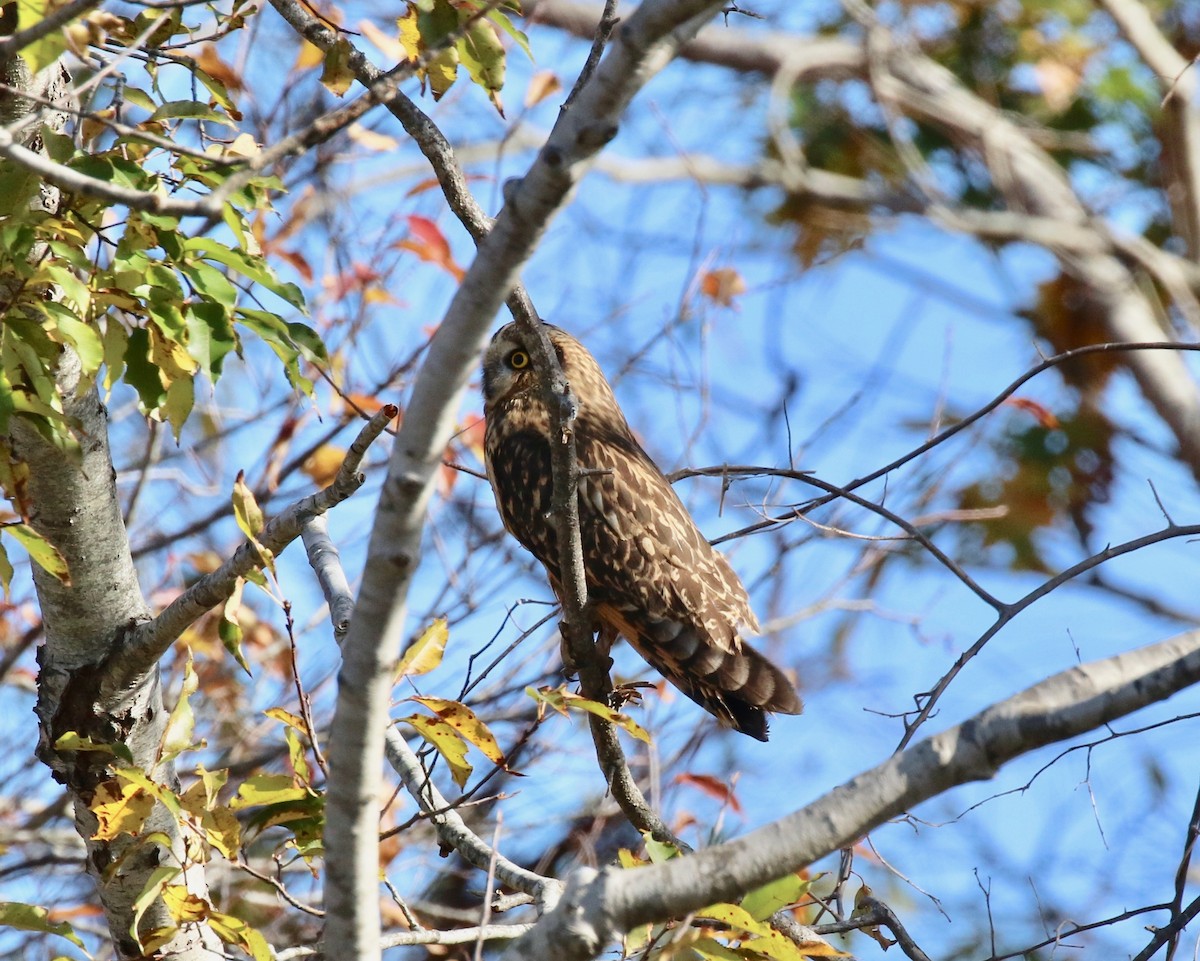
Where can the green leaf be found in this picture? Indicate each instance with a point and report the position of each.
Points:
(249, 266)
(83, 337)
(500, 19)
(29, 917)
(210, 336)
(115, 170)
(41, 53)
(139, 98)
(115, 344)
(209, 282)
(41, 551)
(288, 341)
(140, 373)
(190, 110)
(762, 902)
(228, 628)
(6, 571)
(181, 398)
(482, 53)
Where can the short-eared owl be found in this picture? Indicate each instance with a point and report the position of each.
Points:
(651, 575)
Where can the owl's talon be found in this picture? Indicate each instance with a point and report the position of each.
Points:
(627, 694)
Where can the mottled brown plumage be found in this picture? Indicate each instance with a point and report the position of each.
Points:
(651, 575)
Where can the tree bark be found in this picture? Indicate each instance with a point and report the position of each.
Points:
(85, 686)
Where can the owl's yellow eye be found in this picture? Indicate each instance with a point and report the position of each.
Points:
(518, 360)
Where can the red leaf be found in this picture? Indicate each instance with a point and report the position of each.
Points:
(1044, 416)
(712, 787)
(428, 243)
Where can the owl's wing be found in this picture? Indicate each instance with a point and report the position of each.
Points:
(651, 554)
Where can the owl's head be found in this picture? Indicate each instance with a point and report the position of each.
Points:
(510, 370)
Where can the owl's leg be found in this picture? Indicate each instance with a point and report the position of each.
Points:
(604, 644)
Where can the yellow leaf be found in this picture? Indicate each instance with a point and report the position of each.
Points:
(543, 84)
(762, 902)
(310, 56)
(243, 145)
(120, 808)
(337, 75)
(266, 789)
(233, 930)
(185, 907)
(246, 511)
(41, 551)
(170, 356)
(410, 34)
(223, 831)
(323, 464)
(442, 71)
(463, 720)
(159, 878)
(370, 139)
(562, 700)
(448, 743)
(181, 724)
(425, 653)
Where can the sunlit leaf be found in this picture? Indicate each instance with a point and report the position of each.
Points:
(337, 74)
(29, 917)
(447, 741)
(425, 653)
(763, 902)
(562, 700)
(463, 720)
(121, 807)
(40, 551)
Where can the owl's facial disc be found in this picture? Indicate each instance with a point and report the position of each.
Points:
(507, 367)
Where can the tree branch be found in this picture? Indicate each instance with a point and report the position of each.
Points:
(1181, 92)
(152, 639)
(597, 906)
(642, 45)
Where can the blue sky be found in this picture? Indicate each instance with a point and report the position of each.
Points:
(916, 326)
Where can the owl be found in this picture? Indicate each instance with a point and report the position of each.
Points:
(652, 577)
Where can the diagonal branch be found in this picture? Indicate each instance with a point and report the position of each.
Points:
(151, 639)
(598, 906)
(641, 46)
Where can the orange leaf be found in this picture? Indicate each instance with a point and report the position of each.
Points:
(472, 434)
(211, 63)
(722, 285)
(428, 243)
(542, 84)
(713, 787)
(323, 464)
(1043, 415)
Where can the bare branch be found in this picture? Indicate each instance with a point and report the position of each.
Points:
(1181, 92)
(642, 46)
(599, 905)
(153, 638)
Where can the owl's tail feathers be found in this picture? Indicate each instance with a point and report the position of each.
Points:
(738, 688)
